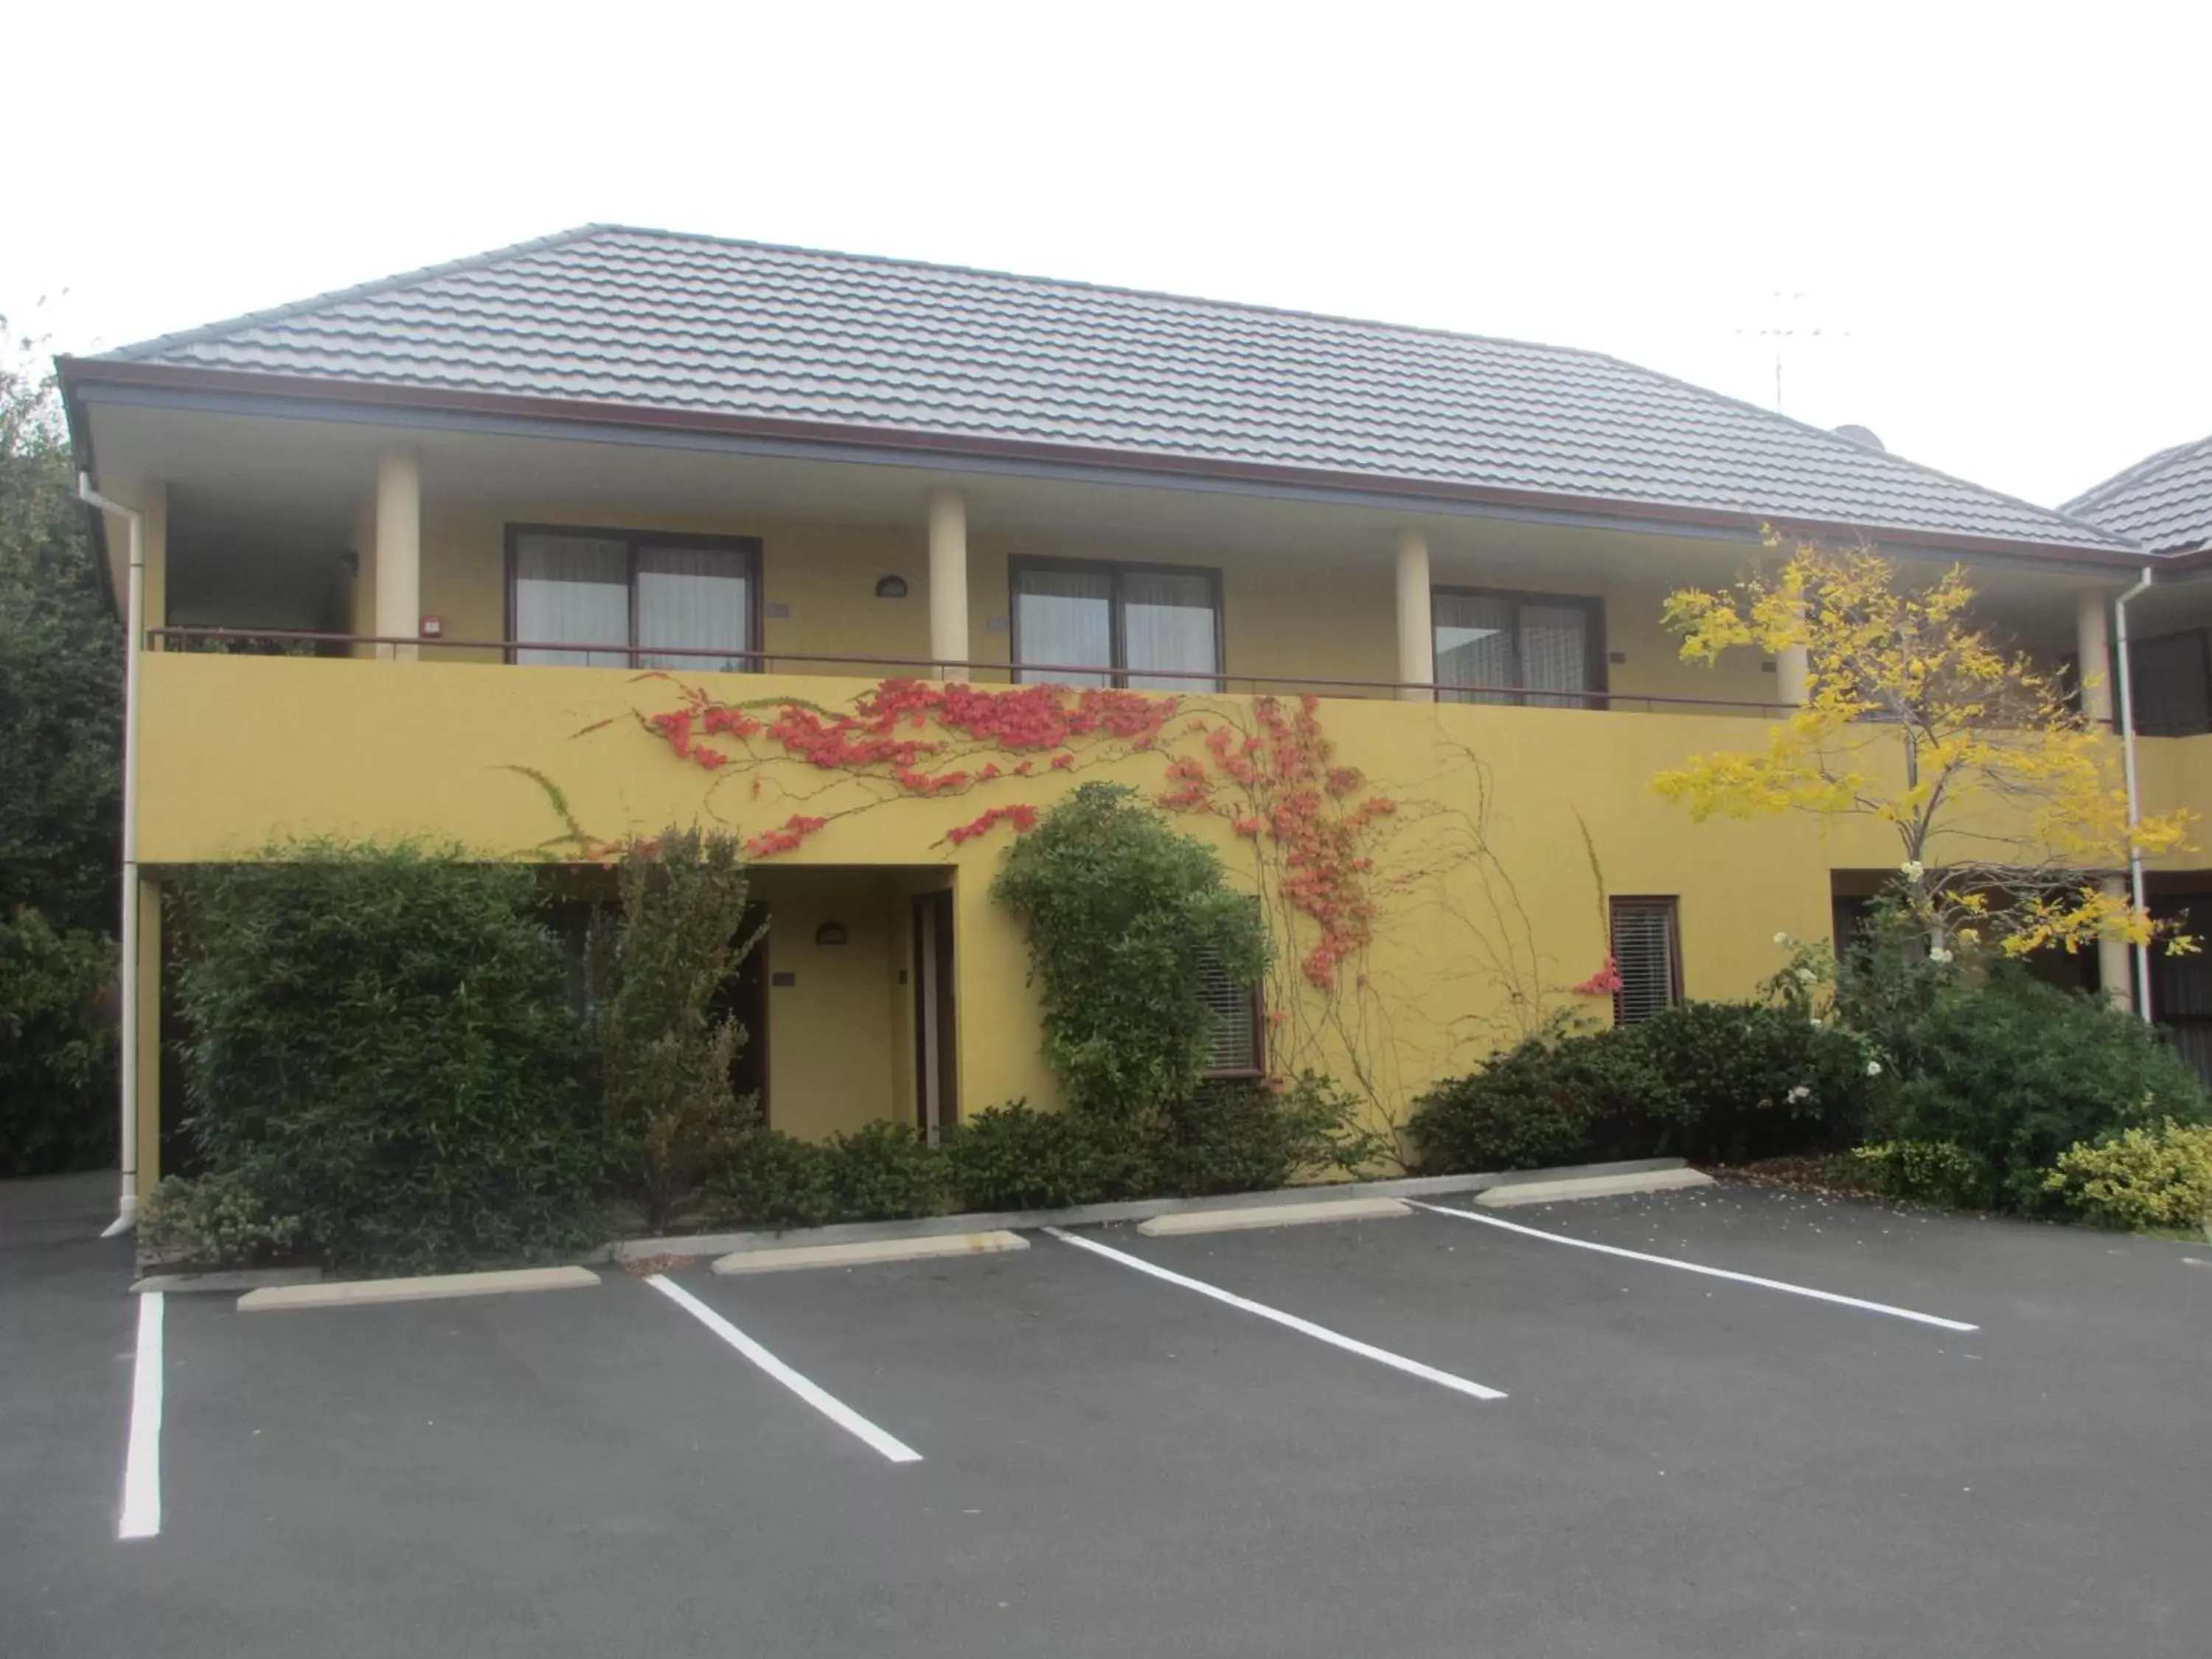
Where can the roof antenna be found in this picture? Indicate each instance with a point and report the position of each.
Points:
(1786, 324)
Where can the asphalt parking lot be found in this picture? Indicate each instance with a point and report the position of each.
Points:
(1101, 1460)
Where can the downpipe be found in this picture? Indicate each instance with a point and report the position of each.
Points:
(2135, 805)
(126, 1211)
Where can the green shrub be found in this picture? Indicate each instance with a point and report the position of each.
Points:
(381, 1063)
(1245, 1137)
(1744, 1080)
(1014, 1157)
(1559, 1097)
(664, 1052)
(2140, 1178)
(218, 1219)
(1887, 983)
(2014, 1072)
(884, 1171)
(1927, 1171)
(770, 1179)
(1124, 914)
(57, 1047)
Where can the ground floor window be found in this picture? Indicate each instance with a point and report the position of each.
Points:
(1238, 1049)
(1647, 954)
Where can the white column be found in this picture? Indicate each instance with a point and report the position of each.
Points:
(948, 579)
(2092, 655)
(1793, 675)
(398, 550)
(1417, 639)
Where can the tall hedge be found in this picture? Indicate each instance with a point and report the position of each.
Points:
(57, 1047)
(382, 1061)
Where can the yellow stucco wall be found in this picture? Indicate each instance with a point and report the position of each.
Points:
(1485, 903)
(834, 1031)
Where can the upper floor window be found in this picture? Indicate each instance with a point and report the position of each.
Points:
(1149, 627)
(1539, 649)
(638, 600)
(2173, 683)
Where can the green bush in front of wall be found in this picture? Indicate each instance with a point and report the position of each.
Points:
(381, 1064)
(1710, 1081)
(663, 1051)
(1561, 1096)
(885, 1172)
(2154, 1177)
(2013, 1072)
(1248, 1137)
(1124, 912)
(1016, 1157)
(1749, 1080)
(770, 1179)
(1925, 1172)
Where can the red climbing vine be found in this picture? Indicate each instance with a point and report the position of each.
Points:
(1289, 793)
(1023, 817)
(1603, 983)
(1277, 785)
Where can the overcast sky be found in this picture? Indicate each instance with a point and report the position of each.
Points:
(1982, 231)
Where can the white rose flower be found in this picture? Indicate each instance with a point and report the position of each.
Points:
(1937, 954)
(1874, 1068)
(1782, 939)
(1800, 1092)
(1913, 869)
(1816, 1022)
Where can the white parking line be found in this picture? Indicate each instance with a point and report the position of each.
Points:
(1696, 1267)
(827, 1404)
(1303, 1326)
(141, 1463)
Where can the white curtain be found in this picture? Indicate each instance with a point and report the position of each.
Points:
(1474, 647)
(572, 588)
(1554, 644)
(692, 599)
(1520, 650)
(1167, 622)
(1065, 617)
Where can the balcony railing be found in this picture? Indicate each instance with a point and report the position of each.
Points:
(305, 643)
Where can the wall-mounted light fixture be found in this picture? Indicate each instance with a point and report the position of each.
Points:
(891, 587)
(832, 933)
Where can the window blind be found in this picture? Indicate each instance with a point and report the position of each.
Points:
(1645, 958)
(1235, 1046)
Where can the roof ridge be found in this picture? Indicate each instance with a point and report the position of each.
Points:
(1250, 307)
(2151, 464)
(140, 348)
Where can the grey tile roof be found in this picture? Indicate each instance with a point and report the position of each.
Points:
(648, 320)
(2165, 502)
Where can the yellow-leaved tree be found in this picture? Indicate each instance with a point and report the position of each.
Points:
(2008, 806)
